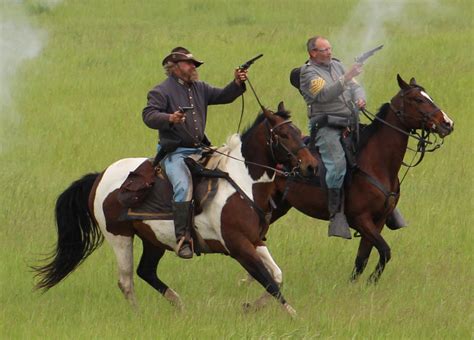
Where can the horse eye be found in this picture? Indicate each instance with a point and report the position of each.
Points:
(284, 135)
(419, 100)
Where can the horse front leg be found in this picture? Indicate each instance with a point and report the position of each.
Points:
(371, 232)
(385, 256)
(246, 254)
(274, 270)
(363, 254)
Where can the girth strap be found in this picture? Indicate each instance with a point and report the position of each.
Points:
(199, 170)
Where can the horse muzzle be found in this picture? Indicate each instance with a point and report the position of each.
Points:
(444, 129)
(307, 163)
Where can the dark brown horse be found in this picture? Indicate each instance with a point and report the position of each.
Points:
(374, 188)
(89, 210)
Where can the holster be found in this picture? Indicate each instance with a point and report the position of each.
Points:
(349, 147)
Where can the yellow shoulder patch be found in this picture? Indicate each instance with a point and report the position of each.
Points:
(316, 85)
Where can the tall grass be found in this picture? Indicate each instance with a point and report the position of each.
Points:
(78, 109)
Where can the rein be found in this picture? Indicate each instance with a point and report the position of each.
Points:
(423, 138)
(423, 141)
(270, 142)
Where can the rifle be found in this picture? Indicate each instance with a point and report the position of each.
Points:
(366, 55)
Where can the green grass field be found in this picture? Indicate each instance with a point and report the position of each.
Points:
(76, 108)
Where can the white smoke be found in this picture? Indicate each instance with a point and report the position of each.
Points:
(19, 41)
(366, 27)
(369, 23)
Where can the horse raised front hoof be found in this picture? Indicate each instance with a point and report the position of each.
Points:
(290, 310)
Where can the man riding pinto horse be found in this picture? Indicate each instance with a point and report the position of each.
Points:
(177, 108)
(333, 98)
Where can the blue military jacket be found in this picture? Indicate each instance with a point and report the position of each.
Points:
(324, 91)
(174, 93)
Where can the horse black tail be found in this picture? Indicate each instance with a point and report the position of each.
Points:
(78, 233)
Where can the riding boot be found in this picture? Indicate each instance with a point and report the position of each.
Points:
(395, 220)
(338, 225)
(183, 216)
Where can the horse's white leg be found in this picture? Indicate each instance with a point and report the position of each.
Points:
(123, 249)
(270, 264)
(274, 270)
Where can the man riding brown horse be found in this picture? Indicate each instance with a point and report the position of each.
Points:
(333, 98)
(177, 108)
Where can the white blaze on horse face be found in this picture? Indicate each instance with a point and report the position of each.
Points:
(426, 96)
(447, 120)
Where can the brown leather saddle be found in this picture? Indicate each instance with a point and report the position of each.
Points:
(147, 193)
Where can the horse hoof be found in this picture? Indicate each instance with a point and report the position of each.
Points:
(247, 307)
(290, 310)
(372, 280)
(174, 299)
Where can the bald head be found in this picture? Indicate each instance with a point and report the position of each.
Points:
(319, 50)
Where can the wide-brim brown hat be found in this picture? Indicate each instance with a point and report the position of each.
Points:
(181, 54)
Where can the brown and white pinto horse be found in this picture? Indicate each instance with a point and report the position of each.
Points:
(88, 210)
(374, 188)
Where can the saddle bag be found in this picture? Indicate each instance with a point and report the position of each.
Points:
(137, 186)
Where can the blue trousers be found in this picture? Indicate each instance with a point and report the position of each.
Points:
(328, 140)
(178, 173)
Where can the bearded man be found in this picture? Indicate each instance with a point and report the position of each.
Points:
(177, 108)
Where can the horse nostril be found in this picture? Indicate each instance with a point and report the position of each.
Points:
(311, 169)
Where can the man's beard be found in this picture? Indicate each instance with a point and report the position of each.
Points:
(190, 76)
(194, 75)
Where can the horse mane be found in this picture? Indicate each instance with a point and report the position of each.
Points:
(369, 130)
(260, 118)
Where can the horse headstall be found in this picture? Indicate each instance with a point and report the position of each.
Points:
(277, 147)
(401, 113)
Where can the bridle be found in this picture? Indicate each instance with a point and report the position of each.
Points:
(401, 114)
(274, 142)
(422, 137)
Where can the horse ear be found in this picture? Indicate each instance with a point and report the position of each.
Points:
(403, 85)
(281, 107)
(413, 82)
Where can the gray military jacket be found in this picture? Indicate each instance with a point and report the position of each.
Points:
(323, 89)
(172, 94)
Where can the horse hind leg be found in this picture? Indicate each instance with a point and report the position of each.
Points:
(147, 271)
(123, 249)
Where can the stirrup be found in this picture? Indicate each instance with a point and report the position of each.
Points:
(179, 246)
(339, 227)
